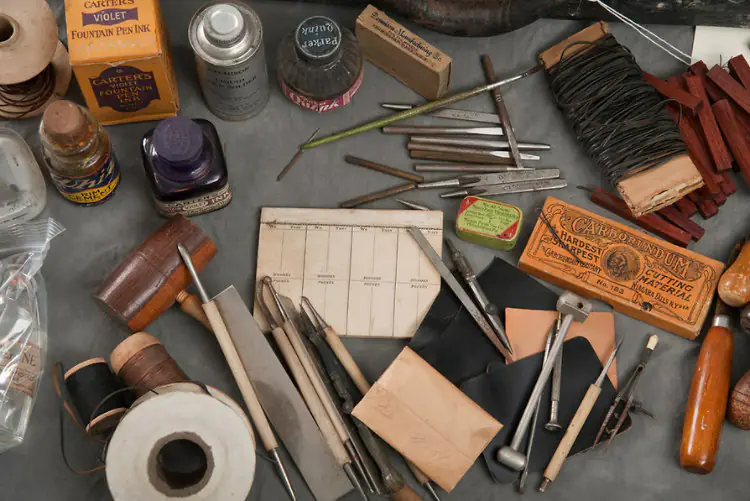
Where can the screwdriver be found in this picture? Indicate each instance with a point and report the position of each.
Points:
(574, 428)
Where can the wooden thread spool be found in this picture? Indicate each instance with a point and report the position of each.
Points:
(143, 363)
(93, 387)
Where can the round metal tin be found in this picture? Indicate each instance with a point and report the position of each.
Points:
(227, 39)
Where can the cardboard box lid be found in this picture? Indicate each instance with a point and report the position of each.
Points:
(98, 31)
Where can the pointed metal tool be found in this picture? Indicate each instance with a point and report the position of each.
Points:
(451, 113)
(625, 397)
(508, 188)
(484, 180)
(489, 308)
(471, 308)
(247, 390)
(574, 428)
(412, 205)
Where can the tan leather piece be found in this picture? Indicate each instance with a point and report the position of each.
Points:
(427, 419)
(528, 329)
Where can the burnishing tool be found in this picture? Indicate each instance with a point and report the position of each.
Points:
(403, 492)
(471, 308)
(482, 180)
(573, 308)
(254, 407)
(576, 424)
(319, 400)
(624, 402)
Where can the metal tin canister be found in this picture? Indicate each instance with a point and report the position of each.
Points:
(227, 39)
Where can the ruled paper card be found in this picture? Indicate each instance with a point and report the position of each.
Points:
(360, 268)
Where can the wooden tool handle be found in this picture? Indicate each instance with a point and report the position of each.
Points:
(190, 304)
(734, 285)
(406, 493)
(571, 434)
(240, 376)
(351, 367)
(308, 394)
(707, 403)
(317, 383)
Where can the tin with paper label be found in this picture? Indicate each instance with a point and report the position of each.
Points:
(227, 39)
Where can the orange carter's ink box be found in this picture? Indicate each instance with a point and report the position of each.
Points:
(639, 275)
(120, 55)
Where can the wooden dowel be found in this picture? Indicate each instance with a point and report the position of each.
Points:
(191, 305)
(719, 152)
(385, 169)
(679, 219)
(378, 195)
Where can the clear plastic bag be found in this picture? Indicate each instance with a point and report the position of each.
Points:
(23, 323)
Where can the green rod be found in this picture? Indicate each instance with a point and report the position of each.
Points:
(419, 110)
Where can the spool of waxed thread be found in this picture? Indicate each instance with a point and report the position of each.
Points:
(144, 364)
(93, 387)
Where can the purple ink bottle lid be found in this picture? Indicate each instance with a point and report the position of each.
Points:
(179, 146)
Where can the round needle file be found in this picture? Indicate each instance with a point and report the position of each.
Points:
(238, 371)
(574, 428)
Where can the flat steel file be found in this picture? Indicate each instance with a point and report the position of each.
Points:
(509, 188)
(282, 402)
(451, 113)
(490, 309)
(471, 308)
(435, 148)
(434, 130)
(480, 180)
(475, 143)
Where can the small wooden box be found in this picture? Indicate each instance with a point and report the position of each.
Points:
(402, 54)
(120, 56)
(639, 275)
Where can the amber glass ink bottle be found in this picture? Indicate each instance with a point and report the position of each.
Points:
(185, 166)
(78, 154)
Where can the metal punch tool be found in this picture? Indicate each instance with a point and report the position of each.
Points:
(573, 308)
(625, 402)
(451, 113)
(554, 410)
(532, 432)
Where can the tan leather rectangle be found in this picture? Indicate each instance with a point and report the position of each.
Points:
(640, 275)
(528, 330)
(427, 419)
(551, 56)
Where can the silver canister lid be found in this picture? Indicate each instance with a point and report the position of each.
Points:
(226, 33)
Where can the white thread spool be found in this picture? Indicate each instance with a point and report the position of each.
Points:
(212, 427)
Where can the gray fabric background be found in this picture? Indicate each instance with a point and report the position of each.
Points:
(643, 465)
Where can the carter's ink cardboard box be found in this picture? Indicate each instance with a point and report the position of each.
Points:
(120, 55)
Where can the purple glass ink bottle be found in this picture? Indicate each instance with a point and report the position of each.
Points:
(185, 166)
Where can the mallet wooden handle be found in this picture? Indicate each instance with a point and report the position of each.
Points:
(191, 305)
(707, 403)
(311, 397)
(571, 433)
(257, 414)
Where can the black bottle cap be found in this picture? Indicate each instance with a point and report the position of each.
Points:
(318, 39)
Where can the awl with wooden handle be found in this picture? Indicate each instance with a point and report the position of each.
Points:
(575, 426)
(249, 395)
(709, 393)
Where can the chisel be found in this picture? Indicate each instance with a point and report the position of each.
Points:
(451, 113)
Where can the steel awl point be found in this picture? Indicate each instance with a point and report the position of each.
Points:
(254, 407)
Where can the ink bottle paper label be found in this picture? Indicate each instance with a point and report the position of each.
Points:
(196, 206)
(323, 105)
(92, 189)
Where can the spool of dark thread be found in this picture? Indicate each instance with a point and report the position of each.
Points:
(144, 364)
(93, 387)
